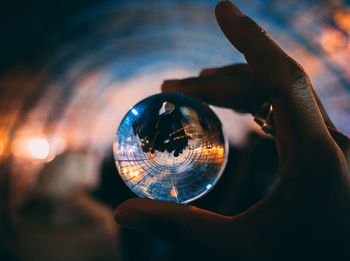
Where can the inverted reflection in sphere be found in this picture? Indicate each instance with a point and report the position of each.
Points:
(170, 147)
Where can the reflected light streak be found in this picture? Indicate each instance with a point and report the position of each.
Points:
(173, 192)
(134, 111)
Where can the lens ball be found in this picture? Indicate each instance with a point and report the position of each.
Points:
(170, 147)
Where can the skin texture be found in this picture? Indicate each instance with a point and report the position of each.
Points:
(307, 215)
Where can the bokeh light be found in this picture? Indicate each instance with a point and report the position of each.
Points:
(32, 147)
(38, 148)
(2, 147)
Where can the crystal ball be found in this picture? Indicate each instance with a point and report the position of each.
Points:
(170, 147)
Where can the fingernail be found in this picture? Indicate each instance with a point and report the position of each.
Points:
(206, 72)
(170, 84)
(231, 7)
(126, 219)
(118, 216)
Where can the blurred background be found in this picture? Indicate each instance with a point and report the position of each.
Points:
(69, 72)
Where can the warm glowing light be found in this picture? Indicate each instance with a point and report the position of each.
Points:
(132, 174)
(221, 152)
(333, 40)
(35, 147)
(342, 19)
(58, 145)
(173, 192)
(2, 147)
(38, 148)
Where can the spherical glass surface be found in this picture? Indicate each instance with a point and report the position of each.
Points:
(170, 147)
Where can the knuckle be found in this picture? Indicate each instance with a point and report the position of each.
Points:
(342, 141)
(296, 71)
(293, 75)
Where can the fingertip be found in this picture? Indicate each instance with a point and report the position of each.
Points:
(221, 4)
(208, 72)
(226, 8)
(120, 212)
(219, 10)
(127, 213)
(170, 85)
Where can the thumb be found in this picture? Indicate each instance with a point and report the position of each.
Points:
(182, 225)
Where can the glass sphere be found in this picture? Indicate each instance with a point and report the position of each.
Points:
(170, 147)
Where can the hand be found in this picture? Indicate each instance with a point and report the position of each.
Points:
(308, 212)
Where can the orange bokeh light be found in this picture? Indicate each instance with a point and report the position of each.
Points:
(2, 147)
(342, 19)
(333, 40)
(33, 147)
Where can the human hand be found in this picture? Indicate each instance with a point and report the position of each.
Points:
(308, 212)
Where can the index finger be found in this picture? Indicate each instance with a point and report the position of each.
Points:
(296, 113)
(263, 55)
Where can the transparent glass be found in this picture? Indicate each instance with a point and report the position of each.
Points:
(170, 147)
